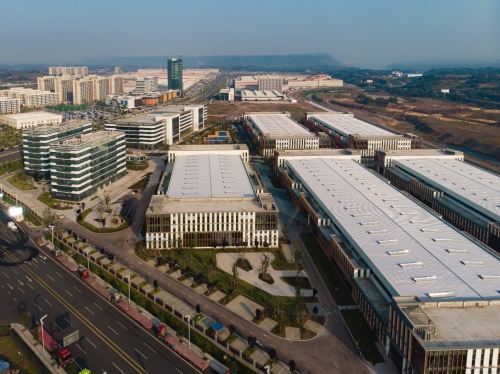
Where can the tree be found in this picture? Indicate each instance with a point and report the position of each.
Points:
(36, 333)
(285, 230)
(23, 317)
(299, 302)
(264, 265)
(235, 273)
(315, 310)
(297, 257)
(99, 211)
(107, 200)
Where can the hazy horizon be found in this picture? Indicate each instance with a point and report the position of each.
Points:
(360, 32)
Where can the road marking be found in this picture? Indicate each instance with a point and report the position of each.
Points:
(118, 368)
(68, 293)
(29, 279)
(77, 289)
(68, 321)
(121, 325)
(6, 275)
(2, 260)
(141, 354)
(35, 260)
(35, 265)
(89, 310)
(295, 359)
(98, 306)
(15, 272)
(266, 336)
(92, 343)
(150, 347)
(308, 366)
(59, 274)
(58, 326)
(284, 352)
(81, 349)
(47, 302)
(242, 328)
(113, 330)
(273, 345)
(41, 310)
(31, 286)
(21, 290)
(179, 371)
(50, 278)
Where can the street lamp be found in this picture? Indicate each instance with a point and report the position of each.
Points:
(52, 228)
(41, 322)
(189, 330)
(128, 276)
(88, 258)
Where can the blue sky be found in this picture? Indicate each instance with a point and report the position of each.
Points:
(374, 32)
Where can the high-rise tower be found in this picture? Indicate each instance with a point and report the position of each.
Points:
(175, 74)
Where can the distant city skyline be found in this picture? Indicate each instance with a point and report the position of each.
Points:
(359, 32)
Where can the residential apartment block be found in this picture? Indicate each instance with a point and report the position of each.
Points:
(29, 97)
(8, 105)
(83, 164)
(69, 70)
(209, 196)
(273, 131)
(146, 84)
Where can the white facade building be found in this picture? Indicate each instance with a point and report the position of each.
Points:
(226, 94)
(261, 96)
(30, 119)
(146, 84)
(29, 97)
(68, 70)
(8, 105)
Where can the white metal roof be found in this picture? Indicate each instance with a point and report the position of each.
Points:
(475, 187)
(32, 115)
(411, 251)
(347, 124)
(209, 176)
(278, 124)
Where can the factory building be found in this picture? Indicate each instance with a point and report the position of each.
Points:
(261, 96)
(464, 194)
(347, 131)
(161, 127)
(270, 83)
(210, 196)
(272, 131)
(428, 291)
(246, 82)
(82, 165)
(320, 80)
(30, 119)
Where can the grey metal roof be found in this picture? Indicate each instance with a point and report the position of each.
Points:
(278, 124)
(411, 251)
(209, 176)
(473, 186)
(347, 124)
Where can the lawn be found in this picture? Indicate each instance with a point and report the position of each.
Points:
(81, 221)
(9, 352)
(11, 168)
(48, 200)
(21, 181)
(141, 183)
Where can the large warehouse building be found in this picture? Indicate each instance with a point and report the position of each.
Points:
(210, 196)
(429, 292)
(271, 131)
(347, 131)
(30, 119)
(464, 194)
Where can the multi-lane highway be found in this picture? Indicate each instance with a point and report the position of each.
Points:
(31, 281)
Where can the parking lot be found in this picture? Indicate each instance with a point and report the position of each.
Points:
(87, 115)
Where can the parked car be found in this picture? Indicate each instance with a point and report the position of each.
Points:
(59, 215)
(132, 192)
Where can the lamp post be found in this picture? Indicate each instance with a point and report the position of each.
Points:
(52, 228)
(128, 276)
(88, 258)
(189, 330)
(41, 323)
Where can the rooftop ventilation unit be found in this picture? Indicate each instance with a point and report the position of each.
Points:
(419, 222)
(480, 193)
(399, 206)
(490, 277)
(457, 251)
(347, 201)
(409, 265)
(329, 184)
(443, 240)
(382, 193)
(388, 200)
(492, 198)
(429, 230)
(375, 232)
(441, 295)
(426, 279)
(324, 179)
(450, 179)
(460, 183)
(408, 214)
(388, 241)
(352, 207)
(370, 223)
(473, 263)
(399, 253)
(340, 194)
(361, 214)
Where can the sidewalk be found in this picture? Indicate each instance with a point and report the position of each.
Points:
(44, 356)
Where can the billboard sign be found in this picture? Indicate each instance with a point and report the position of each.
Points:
(445, 90)
(71, 338)
(15, 211)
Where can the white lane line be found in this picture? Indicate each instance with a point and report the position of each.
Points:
(2, 260)
(68, 293)
(6, 275)
(89, 310)
(121, 325)
(50, 278)
(15, 272)
(179, 371)
(35, 260)
(98, 306)
(77, 289)
(91, 343)
(58, 326)
(81, 349)
(113, 330)
(150, 347)
(35, 265)
(21, 289)
(39, 307)
(15, 299)
(68, 321)
(47, 302)
(118, 368)
(140, 353)
(59, 274)
(31, 286)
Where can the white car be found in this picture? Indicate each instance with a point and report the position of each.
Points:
(132, 192)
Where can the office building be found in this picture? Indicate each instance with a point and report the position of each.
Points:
(464, 194)
(135, 159)
(36, 142)
(82, 165)
(147, 84)
(161, 127)
(428, 291)
(30, 119)
(69, 70)
(226, 94)
(261, 96)
(347, 131)
(270, 83)
(8, 105)
(210, 196)
(29, 97)
(273, 131)
(175, 74)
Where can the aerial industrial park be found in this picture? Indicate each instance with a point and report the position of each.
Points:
(205, 204)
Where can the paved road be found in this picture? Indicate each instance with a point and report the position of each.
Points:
(109, 342)
(11, 154)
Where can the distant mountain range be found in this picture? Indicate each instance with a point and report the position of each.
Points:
(264, 61)
(424, 65)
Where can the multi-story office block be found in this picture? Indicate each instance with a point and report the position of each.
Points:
(146, 84)
(273, 131)
(346, 131)
(162, 127)
(226, 94)
(36, 141)
(175, 74)
(69, 70)
(8, 105)
(428, 291)
(29, 97)
(30, 119)
(83, 164)
(209, 196)
(270, 83)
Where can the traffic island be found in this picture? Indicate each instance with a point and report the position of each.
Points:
(82, 220)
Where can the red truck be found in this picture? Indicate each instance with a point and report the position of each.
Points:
(93, 283)
(63, 354)
(64, 260)
(135, 315)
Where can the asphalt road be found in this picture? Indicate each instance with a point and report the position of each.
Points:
(11, 154)
(109, 341)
